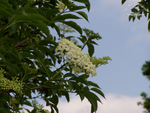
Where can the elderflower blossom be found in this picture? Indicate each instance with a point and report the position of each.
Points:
(79, 61)
(6, 84)
(60, 6)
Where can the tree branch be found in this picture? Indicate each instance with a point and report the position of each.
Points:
(17, 45)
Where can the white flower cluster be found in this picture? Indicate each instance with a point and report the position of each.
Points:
(60, 6)
(6, 84)
(79, 61)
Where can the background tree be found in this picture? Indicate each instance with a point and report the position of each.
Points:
(33, 61)
(143, 8)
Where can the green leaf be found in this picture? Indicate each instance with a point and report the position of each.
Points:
(38, 17)
(130, 17)
(38, 54)
(69, 75)
(98, 91)
(92, 95)
(92, 42)
(92, 84)
(42, 26)
(4, 12)
(86, 2)
(5, 3)
(123, 1)
(50, 54)
(67, 16)
(3, 110)
(27, 103)
(67, 96)
(73, 25)
(149, 26)
(83, 14)
(90, 49)
(92, 101)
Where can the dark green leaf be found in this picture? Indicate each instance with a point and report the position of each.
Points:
(73, 25)
(130, 17)
(4, 2)
(93, 84)
(123, 1)
(42, 26)
(149, 26)
(93, 102)
(69, 75)
(67, 16)
(98, 91)
(3, 110)
(90, 49)
(4, 12)
(83, 14)
(38, 17)
(86, 2)
(92, 42)
(92, 95)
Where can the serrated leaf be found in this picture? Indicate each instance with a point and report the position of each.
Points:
(83, 14)
(73, 25)
(98, 91)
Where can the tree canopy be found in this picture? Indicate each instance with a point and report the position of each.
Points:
(34, 61)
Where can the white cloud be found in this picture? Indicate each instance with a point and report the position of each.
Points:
(114, 103)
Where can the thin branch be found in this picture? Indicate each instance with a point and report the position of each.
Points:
(17, 45)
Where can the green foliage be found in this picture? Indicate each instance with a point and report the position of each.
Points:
(146, 69)
(27, 54)
(146, 99)
(141, 9)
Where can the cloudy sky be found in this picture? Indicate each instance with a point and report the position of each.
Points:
(128, 44)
